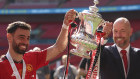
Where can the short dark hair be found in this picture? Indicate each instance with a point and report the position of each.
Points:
(12, 27)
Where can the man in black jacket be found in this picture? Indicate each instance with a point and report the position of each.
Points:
(113, 63)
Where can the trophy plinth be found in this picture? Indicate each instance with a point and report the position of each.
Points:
(84, 39)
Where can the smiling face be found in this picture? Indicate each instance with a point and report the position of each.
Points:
(20, 40)
(18, 34)
(122, 32)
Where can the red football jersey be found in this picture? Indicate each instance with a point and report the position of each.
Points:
(33, 60)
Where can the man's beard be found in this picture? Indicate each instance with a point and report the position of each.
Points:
(17, 49)
(122, 44)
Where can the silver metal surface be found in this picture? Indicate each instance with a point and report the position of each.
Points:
(84, 39)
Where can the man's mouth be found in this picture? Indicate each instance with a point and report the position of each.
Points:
(119, 39)
(23, 47)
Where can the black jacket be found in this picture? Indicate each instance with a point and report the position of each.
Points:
(111, 66)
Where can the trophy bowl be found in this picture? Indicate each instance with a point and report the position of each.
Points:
(84, 38)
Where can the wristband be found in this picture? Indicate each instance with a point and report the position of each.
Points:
(65, 26)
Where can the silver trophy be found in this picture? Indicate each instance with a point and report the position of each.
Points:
(84, 38)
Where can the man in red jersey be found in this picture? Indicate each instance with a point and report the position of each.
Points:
(20, 65)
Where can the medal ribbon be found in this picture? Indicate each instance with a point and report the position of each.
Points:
(14, 68)
(95, 59)
(95, 71)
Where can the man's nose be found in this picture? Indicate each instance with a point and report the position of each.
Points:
(25, 41)
(118, 34)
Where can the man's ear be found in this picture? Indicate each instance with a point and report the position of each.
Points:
(131, 31)
(9, 37)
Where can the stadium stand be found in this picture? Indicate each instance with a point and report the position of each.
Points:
(77, 3)
(3, 31)
(30, 5)
(2, 3)
(136, 25)
(124, 2)
(34, 25)
(51, 30)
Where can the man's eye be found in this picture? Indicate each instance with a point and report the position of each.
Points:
(115, 31)
(21, 37)
(123, 31)
(28, 38)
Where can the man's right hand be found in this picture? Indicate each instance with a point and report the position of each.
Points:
(107, 28)
(69, 16)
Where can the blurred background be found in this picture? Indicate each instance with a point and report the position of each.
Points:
(46, 18)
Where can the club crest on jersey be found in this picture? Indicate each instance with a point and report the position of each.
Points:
(29, 67)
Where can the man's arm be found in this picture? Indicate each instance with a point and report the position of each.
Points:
(82, 70)
(62, 39)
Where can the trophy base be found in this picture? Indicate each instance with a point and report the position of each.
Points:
(81, 54)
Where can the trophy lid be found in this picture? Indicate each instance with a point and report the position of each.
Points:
(91, 19)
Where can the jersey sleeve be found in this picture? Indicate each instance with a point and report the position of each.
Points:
(36, 59)
(41, 58)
